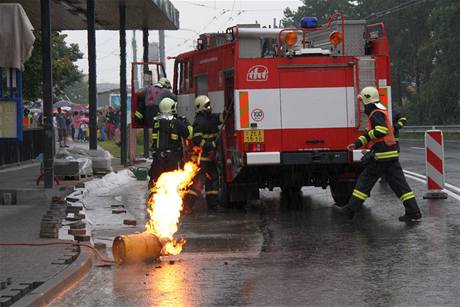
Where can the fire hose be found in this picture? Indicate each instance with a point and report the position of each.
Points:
(98, 254)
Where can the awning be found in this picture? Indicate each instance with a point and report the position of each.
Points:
(71, 14)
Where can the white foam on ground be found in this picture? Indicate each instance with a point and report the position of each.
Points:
(109, 182)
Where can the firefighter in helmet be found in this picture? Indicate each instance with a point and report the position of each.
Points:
(149, 99)
(167, 136)
(382, 160)
(206, 136)
(399, 121)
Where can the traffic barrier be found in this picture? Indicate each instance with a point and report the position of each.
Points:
(434, 156)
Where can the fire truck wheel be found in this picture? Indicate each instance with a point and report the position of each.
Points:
(341, 191)
(291, 198)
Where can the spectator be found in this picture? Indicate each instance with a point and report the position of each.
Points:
(101, 124)
(83, 128)
(76, 126)
(110, 123)
(62, 128)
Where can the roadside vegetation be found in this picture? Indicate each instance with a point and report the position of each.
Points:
(424, 45)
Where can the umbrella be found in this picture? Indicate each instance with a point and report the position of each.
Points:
(78, 108)
(63, 103)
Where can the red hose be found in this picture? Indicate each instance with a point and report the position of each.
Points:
(98, 254)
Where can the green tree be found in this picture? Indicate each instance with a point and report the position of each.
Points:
(424, 43)
(65, 71)
(77, 91)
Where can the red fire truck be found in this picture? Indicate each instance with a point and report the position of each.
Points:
(290, 100)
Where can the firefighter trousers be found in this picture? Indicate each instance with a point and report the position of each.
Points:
(209, 178)
(393, 173)
(161, 163)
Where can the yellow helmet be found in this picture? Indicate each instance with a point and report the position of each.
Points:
(202, 103)
(369, 95)
(164, 82)
(167, 106)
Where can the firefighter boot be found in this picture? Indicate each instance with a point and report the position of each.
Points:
(412, 211)
(189, 201)
(212, 201)
(352, 207)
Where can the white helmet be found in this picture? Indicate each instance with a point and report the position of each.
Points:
(168, 106)
(369, 95)
(202, 103)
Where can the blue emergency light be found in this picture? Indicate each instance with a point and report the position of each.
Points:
(309, 22)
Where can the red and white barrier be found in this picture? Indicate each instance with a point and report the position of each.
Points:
(434, 156)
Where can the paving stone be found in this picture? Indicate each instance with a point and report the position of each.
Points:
(130, 222)
(118, 211)
(13, 294)
(82, 238)
(6, 301)
(23, 289)
(77, 232)
(78, 225)
(57, 200)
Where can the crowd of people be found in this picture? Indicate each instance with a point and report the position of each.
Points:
(75, 124)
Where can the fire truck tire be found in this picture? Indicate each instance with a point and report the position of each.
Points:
(341, 191)
(291, 198)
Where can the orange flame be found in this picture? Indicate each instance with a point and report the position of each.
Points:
(165, 206)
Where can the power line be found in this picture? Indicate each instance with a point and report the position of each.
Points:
(394, 9)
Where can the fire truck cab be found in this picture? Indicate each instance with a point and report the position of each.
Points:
(290, 101)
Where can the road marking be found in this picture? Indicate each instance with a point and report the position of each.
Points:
(421, 148)
(417, 177)
(424, 178)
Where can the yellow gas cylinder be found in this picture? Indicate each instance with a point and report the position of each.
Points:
(136, 247)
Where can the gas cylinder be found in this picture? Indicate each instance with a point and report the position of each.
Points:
(136, 247)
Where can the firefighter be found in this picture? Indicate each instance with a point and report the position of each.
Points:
(149, 99)
(399, 122)
(206, 136)
(381, 161)
(167, 136)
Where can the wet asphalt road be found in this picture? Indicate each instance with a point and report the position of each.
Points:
(311, 256)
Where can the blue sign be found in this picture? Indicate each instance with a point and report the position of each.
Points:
(115, 101)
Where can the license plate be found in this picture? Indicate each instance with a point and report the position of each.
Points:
(253, 136)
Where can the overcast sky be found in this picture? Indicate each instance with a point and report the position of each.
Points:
(195, 17)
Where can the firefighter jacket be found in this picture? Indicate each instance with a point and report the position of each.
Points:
(206, 132)
(168, 133)
(147, 107)
(379, 136)
(399, 122)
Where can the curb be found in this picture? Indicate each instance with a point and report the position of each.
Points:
(63, 281)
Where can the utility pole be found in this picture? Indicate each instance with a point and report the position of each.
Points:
(161, 34)
(145, 45)
(134, 45)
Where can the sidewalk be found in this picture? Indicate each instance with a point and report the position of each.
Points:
(35, 274)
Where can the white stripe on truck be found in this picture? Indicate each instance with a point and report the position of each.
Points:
(298, 108)
(261, 158)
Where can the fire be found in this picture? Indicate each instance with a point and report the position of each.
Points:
(165, 206)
